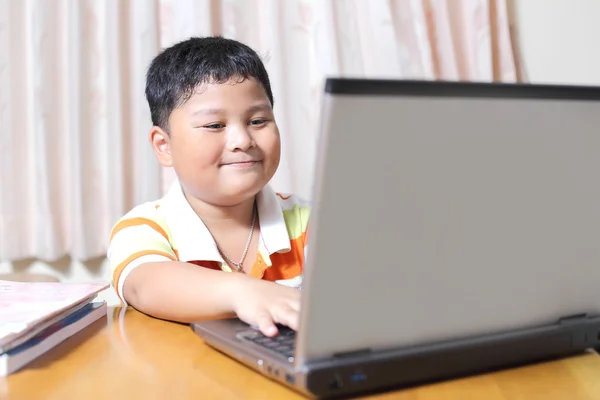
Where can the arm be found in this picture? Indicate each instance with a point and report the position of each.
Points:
(184, 292)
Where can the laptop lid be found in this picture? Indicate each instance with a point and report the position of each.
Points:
(450, 210)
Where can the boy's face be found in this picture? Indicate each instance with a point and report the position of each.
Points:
(224, 143)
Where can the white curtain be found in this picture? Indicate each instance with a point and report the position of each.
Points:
(74, 153)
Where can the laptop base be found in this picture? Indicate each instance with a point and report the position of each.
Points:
(380, 371)
(367, 372)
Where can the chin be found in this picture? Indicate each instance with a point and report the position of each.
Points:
(238, 194)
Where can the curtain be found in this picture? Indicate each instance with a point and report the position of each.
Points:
(74, 122)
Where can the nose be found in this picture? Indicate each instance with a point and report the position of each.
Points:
(239, 138)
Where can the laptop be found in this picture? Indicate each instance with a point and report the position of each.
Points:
(455, 231)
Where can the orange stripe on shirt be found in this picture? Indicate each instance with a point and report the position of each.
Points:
(286, 265)
(119, 269)
(126, 223)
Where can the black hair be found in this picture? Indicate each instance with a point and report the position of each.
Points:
(177, 72)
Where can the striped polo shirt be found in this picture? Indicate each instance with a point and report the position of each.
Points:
(169, 229)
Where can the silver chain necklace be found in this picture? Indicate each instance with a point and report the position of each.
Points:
(239, 265)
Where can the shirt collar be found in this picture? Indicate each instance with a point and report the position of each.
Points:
(193, 240)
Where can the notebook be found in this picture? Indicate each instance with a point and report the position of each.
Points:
(27, 308)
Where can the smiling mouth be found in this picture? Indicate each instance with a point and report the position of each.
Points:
(242, 164)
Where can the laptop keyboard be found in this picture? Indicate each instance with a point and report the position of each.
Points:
(283, 344)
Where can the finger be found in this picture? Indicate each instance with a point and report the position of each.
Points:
(266, 324)
(287, 316)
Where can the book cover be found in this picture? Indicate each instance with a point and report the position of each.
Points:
(50, 337)
(26, 305)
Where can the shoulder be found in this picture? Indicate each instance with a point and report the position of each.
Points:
(140, 236)
(145, 216)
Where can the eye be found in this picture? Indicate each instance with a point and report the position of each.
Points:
(258, 122)
(215, 126)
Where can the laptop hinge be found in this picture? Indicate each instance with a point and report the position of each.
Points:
(571, 319)
(353, 353)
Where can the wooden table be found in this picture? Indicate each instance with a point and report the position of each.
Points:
(131, 356)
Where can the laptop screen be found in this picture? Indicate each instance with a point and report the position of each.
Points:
(447, 210)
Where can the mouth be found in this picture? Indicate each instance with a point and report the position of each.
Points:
(242, 164)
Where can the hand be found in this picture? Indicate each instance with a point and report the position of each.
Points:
(264, 304)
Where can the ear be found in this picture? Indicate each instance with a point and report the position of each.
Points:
(161, 145)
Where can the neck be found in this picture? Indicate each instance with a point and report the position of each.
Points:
(223, 217)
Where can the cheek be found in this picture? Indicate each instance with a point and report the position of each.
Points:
(272, 145)
(199, 153)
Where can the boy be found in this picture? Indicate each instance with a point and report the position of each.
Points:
(220, 243)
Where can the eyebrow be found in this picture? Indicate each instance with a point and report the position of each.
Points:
(213, 111)
(260, 107)
(208, 111)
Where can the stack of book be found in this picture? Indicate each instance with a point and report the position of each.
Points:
(37, 316)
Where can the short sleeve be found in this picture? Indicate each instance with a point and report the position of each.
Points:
(139, 237)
